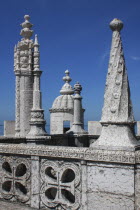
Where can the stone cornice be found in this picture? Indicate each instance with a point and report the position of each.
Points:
(88, 154)
(60, 110)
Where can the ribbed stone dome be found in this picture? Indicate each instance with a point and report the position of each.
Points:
(63, 102)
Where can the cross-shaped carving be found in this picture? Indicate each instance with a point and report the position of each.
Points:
(59, 185)
(13, 178)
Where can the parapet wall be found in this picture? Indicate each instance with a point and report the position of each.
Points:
(68, 177)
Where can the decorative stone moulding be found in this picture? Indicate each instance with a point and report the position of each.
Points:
(88, 154)
(61, 110)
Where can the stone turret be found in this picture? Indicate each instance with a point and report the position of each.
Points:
(37, 121)
(62, 108)
(117, 115)
(23, 68)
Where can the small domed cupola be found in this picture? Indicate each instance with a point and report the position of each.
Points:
(61, 113)
(64, 102)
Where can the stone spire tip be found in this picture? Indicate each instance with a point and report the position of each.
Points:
(67, 88)
(77, 87)
(26, 31)
(27, 17)
(67, 77)
(67, 72)
(36, 40)
(116, 25)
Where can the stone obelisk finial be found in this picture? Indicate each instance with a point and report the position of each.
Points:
(77, 127)
(37, 122)
(117, 115)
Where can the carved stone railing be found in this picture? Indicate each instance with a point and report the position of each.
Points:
(54, 176)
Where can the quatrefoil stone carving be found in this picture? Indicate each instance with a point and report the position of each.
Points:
(15, 179)
(60, 185)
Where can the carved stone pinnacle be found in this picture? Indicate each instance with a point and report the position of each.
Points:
(116, 25)
(77, 88)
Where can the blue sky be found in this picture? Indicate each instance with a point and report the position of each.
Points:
(74, 35)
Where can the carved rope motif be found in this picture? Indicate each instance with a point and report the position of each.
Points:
(15, 179)
(60, 185)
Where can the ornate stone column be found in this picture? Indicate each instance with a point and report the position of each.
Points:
(17, 91)
(37, 122)
(77, 127)
(24, 79)
(117, 115)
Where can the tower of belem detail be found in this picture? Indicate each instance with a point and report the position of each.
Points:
(70, 168)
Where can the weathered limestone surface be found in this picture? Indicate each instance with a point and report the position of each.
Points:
(138, 128)
(113, 186)
(110, 186)
(104, 201)
(9, 205)
(57, 121)
(83, 178)
(105, 176)
(9, 128)
(77, 127)
(137, 187)
(63, 108)
(35, 185)
(37, 122)
(94, 128)
(117, 116)
(24, 79)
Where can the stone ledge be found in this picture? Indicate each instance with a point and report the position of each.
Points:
(88, 154)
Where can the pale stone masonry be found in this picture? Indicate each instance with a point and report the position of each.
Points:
(37, 122)
(63, 171)
(23, 68)
(9, 128)
(77, 127)
(63, 107)
(94, 128)
(117, 115)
